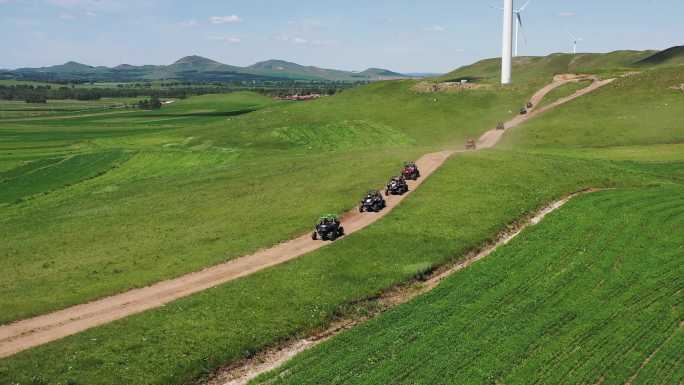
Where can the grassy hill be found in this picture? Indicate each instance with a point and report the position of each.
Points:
(671, 56)
(240, 150)
(530, 67)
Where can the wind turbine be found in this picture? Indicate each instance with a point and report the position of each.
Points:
(507, 50)
(575, 40)
(519, 24)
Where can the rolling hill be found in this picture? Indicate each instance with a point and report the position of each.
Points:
(528, 67)
(196, 68)
(670, 56)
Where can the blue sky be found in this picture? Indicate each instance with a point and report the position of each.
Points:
(402, 35)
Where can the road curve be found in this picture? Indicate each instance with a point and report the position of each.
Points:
(32, 332)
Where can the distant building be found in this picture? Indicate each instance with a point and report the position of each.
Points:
(300, 97)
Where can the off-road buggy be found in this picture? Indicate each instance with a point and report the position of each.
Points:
(397, 186)
(500, 126)
(328, 228)
(529, 105)
(523, 111)
(373, 202)
(410, 171)
(470, 144)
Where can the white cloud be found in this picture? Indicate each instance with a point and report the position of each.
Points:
(225, 19)
(302, 41)
(567, 14)
(66, 16)
(188, 23)
(91, 14)
(435, 28)
(107, 5)
(226, 39)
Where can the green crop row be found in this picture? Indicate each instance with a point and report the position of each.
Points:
(585, 297)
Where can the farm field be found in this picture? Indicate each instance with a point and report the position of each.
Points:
(96, 203)
(21, 109)
(175, 196)
(185, 339)
(590, 295)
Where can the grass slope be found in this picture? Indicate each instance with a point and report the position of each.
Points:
(585, 297)
(670, 57)
(527, 68)
(636, 110)
(480, 193)
(204, 180)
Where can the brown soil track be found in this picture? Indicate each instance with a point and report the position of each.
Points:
(42, 329)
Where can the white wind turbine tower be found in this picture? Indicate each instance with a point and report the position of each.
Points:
(518, 25)
(507, 50)
(575, 40)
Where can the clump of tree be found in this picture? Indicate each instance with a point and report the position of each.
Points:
(153, 103)
(36, 98)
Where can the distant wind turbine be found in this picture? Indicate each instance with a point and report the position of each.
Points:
(518, 25)
(575, 40)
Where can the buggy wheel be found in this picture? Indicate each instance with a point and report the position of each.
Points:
(332, 236)
(314, 236)
(341, 231)
(387, 192)
(361, 208)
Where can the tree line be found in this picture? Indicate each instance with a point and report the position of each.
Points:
(43, 93)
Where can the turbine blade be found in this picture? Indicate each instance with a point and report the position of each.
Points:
(496, 7)
(522, 29)
(524, 6)
(517, 14)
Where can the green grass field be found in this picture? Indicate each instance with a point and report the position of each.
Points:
(564, 91)
(200, 182)
(21, 109)
(585, 297)
(480, 194)
(100, 202)
(637, 110)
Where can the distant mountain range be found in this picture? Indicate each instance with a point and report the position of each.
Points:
(196, 69)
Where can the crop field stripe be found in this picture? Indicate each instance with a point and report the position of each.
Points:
(50, 175)
(632, 312)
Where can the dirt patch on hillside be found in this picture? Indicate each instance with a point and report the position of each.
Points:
(679, 87)
(429, 87)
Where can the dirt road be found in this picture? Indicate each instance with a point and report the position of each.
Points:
(39, 330)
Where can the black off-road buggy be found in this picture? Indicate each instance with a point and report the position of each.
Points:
(471, 144)
(328, 228)
(373, 202)
(397, 186)
(410, 171)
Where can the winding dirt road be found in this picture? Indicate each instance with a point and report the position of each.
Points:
(39, 330)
